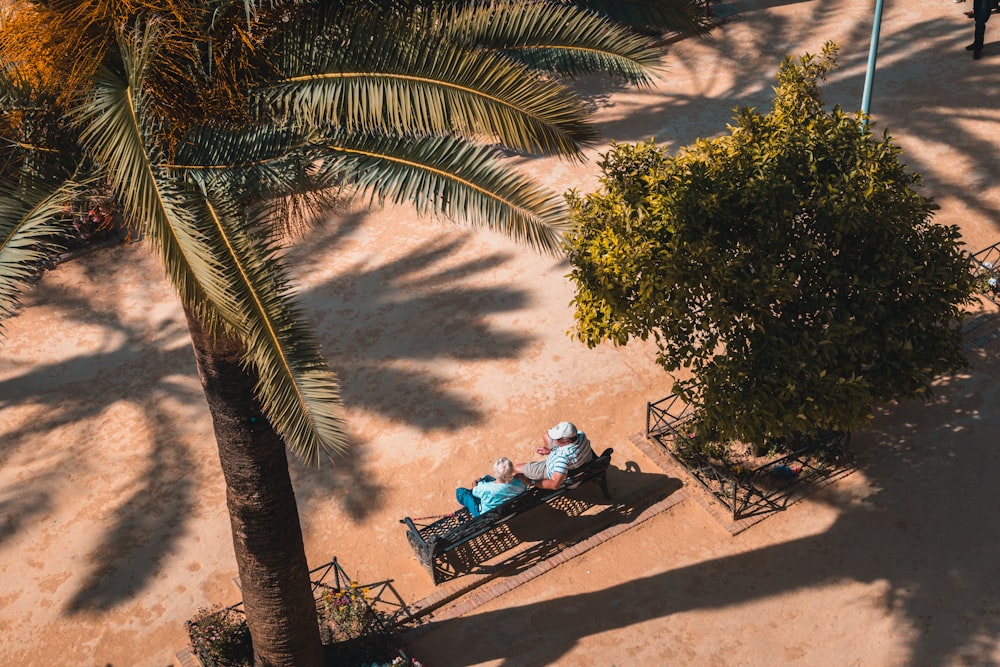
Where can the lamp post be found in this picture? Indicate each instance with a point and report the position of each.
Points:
(872, 54)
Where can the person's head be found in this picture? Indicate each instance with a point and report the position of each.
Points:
(562, 433)
(503, 469)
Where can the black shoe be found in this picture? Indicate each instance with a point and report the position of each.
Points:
(972, 47)
(977, 54)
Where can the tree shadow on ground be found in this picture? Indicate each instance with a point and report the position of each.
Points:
(396, 320)
(391, 374)
(912, 70)
(927, 529)
(396, 332)
(143, 527)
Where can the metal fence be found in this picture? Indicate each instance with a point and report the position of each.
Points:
(986, 271)
(386, 610)
(769, 487)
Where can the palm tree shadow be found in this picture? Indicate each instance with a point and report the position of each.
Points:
(926, 531)
(144, 528)
(400, 328)
(400, 323)
(913, 67)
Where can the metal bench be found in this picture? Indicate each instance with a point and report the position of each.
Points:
(432, 542)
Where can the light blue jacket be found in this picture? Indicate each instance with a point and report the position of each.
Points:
(492, 494)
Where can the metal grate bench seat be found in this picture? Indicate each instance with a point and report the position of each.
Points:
(433, 541)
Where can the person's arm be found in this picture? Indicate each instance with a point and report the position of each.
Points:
(550, 483)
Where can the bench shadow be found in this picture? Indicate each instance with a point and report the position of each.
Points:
(560, 523)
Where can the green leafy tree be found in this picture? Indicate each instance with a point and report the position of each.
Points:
(212, 126)
(789, 271)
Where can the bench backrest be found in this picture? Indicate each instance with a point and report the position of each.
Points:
(522, 503)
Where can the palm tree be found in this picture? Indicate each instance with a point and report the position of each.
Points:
(216, 126)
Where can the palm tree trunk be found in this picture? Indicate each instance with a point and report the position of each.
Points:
(267, 537)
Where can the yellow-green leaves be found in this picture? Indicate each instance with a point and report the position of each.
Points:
(791, 265)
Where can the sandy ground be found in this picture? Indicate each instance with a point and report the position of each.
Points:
(451, 345)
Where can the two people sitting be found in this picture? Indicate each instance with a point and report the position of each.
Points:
(565, 448)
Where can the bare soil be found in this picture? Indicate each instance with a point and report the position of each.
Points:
(452, 348)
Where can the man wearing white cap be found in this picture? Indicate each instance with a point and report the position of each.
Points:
(565, 448)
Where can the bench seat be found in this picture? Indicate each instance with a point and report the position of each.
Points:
(431, 542)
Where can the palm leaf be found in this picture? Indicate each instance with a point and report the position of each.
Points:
(257, 161)
(554, 37)
(33, 228)
(450, 177)
(687, 17)
(387, 75)
(220, 273)
(268, 169)
(298, 392)
(114, 129)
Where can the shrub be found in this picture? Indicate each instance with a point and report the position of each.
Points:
(220, 638)
(352, 630)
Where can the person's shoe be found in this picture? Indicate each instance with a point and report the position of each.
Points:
(971, 15)
(977, 54)
(972, 47)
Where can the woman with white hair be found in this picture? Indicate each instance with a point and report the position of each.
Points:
(488, 491)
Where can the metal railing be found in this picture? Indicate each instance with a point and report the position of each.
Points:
(986, 271)
(769, 487)
(385, 607)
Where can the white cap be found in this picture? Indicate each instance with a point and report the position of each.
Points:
(562, 430)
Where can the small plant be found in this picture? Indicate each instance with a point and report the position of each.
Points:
(94, 218)
(346, 614)
(988, 279)
(220, 638)
(397, 662)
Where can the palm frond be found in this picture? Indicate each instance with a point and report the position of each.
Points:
(450, 177)
(227, 276)
(298, 392)
(254, 158)
(387, 75)
(265, 168)
(686, 17)
(114, 129)
(557, 38)
(33, 227)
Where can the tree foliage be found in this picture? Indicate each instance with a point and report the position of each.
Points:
(210, 121)
(789, 269)
(211, 124)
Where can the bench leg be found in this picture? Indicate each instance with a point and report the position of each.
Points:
(603, 481)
